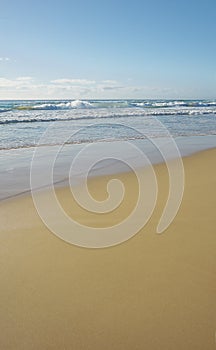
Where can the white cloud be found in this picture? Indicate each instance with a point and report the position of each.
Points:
(73, 81)
(26, 87)
(15, 83)
(110, 82)
(5, 59)
(26, 79)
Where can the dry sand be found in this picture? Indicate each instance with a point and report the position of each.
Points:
(151, 292)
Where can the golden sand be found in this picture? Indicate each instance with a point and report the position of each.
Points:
(151, 292)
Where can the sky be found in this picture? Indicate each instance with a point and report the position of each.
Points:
(107, 49)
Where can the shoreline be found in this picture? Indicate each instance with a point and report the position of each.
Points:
(20, 172)
(61, 184)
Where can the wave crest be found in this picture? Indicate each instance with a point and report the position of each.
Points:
(77, 104)
(105, 114)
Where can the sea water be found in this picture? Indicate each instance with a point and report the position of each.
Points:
(73, 124)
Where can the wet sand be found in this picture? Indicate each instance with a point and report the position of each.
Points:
(152, 292)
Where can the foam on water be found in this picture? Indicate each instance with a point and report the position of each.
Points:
(23, 122)
(62, 105)
(83, 104)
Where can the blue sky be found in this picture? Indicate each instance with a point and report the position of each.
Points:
(111, 49)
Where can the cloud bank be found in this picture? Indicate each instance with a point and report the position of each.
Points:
(25, 87)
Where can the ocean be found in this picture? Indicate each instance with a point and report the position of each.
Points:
(66, 127)
(22, 123)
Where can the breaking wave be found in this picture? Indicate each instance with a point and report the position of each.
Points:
(22, 122)
(10, 118)
(57, 105)
(103, 104)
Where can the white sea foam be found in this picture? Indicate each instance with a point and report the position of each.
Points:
(21, 122)
(74, 111)
(62, 105)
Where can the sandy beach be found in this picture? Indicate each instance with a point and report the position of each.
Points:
(152, 292)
